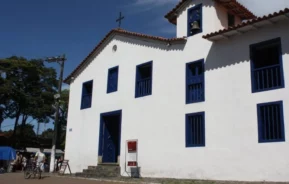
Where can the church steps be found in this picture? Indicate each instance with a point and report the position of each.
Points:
(100, 171)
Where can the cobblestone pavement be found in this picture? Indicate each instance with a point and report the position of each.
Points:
(15, 178)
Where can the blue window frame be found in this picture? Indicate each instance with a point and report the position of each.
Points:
(112, 79)
(270, 122)
(195, 23)
(195, 129)
(266, 65)
(86, 96)
(195, 82)
(143, 86)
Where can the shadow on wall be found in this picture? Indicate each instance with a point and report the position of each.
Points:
(233, 51)
(226, 53)
(222, 15)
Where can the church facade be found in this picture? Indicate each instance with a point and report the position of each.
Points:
(208, 104)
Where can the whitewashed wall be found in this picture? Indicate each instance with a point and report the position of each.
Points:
(232, 151)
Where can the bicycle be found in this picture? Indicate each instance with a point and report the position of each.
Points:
(32, 169)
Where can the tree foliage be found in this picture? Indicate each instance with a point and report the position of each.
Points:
(27, 90)
(47, 133)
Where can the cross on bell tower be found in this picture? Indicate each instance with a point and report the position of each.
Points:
(119, 19)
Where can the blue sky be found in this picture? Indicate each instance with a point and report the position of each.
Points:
(36, 29)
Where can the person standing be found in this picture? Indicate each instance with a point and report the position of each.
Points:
(40, 159)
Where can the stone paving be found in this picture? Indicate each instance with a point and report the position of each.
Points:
(18, 178)
(15, 178)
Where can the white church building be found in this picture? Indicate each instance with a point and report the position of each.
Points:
(209, 104)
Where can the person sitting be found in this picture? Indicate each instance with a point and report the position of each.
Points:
(24, 163)
(17, 162)
(60, 160)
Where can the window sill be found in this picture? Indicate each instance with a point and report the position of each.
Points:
(271, 141)
(200, 101)
(143, 96)
(108, 92)
(188, 35)
(270, 89)
(195, 146)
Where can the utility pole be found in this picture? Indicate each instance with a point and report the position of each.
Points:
(60, 60)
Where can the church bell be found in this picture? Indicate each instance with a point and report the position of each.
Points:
(195, 26)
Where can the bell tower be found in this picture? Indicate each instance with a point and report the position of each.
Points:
(194, 18)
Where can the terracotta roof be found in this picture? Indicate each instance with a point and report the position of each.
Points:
(233, 6)
(122, 32)
(250, 22)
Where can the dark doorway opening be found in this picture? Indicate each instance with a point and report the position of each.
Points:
(110, 134)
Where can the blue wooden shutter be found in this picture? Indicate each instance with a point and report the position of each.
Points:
(86, 97)
(266, 65)
(195, 82)
(195, 129)
(144, 79)
(270, 122)
(112, 82)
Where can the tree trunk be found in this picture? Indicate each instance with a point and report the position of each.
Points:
(15, 128)
(24, 118)
(16, 123)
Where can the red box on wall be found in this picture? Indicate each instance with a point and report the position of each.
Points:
(132, 163)
(131, 145)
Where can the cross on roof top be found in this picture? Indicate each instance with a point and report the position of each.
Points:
(119, 19)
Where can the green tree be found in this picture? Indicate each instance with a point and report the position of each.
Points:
(27, 131)
(47, 133)
(29, 87)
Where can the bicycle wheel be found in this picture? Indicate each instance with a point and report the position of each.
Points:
(37, 173)
(27, 173)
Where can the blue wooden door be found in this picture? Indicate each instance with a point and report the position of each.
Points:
(109, 142)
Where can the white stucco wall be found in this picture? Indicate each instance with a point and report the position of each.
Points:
(232, 151)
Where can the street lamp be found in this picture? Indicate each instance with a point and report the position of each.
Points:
(60, 60)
